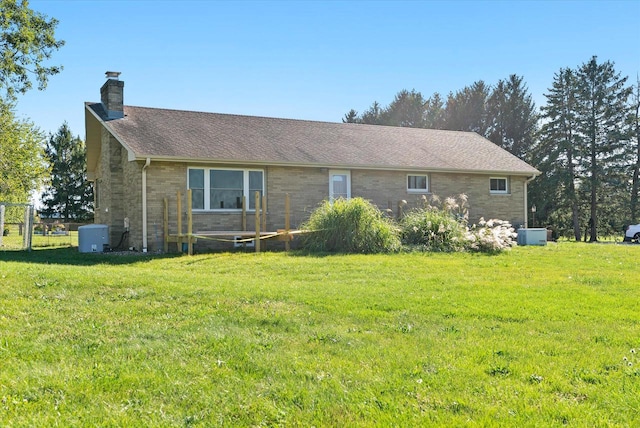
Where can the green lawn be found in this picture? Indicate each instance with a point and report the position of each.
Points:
(536, 336)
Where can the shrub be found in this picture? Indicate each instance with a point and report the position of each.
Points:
(491, 236)
(434, 228)
(350, 226)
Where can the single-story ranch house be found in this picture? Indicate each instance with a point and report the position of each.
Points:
(138, 156)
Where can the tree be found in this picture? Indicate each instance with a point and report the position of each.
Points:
(406, 109)
(512, 117)
(373, 116)
(634, 152)
(602, 107)
(583, 150)
(68, 194)
(27, 41)
(466, 110)
(22, 165)
(351, 117)
(434, 112)
(556, 154)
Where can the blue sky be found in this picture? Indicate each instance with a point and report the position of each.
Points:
(316, 60)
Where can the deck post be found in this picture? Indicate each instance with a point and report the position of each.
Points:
(264, 218)
(287, 223)
(257, 207)
(166, 225)
(244, 213)
(189, 223)
(179, 196)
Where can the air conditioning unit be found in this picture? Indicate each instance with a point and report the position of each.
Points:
(533, 236)
(93, 238)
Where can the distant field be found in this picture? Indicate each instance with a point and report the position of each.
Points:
(537, 336)
(14, 240)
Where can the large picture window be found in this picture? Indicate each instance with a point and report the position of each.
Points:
(418, 183)
(223, 188)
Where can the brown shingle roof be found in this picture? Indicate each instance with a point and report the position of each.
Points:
(196, 136)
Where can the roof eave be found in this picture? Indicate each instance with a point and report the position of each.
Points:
(141, 157)
(131, 156)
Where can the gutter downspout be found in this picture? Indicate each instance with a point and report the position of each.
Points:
(144, 205)
(526, 201)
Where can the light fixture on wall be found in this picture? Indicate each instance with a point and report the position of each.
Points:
(533, 212)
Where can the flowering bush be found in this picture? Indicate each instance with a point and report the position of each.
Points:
(490, 236)
(445, 228)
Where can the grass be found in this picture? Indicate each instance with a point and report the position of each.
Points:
(535, 336)
(15, 241)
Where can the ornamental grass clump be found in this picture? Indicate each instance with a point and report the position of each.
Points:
(434, 228)
(350, 226)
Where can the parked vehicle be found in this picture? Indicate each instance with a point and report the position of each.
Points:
(632, 233)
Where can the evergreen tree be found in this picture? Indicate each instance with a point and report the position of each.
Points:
(466, 110)
(556, 155)
(602, 107)
(634, 152)
(512, 116)
(373, 116)
(351, 117)
(406, 109)
(69, 194)
(434, 112)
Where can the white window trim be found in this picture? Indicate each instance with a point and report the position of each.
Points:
(207, 188)
(499, 192)
(333, 172)
(418, 190)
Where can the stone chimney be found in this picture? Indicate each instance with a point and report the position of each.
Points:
(111, 95)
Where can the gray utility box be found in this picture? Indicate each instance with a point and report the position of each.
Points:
(533, 236)
(92, 238)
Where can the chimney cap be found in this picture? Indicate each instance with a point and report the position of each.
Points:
(112, 74)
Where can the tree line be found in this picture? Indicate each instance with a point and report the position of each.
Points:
(584, 140)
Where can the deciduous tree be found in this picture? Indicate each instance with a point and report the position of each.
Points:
(27, 41)
(22, 164)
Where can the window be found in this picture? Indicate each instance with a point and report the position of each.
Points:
(498, 185)
(223, 189)
(339, 184)
(417, 183)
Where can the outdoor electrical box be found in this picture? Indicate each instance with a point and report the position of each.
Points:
(93, 238)
(533, 236)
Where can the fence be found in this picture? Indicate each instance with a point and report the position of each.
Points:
(18, 230)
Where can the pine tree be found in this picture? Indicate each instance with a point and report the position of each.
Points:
(512, 116)
(634, 152)
(434, 112)
(406, 109)
(557, 155)
(69, 194)
(466, 110)
(602, 107)
(351, 117)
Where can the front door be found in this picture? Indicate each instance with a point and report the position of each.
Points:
(339, 184)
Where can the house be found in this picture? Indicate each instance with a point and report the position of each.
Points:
(137, 156)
